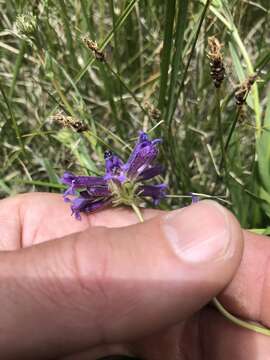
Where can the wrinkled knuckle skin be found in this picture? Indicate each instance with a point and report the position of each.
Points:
(90, 260)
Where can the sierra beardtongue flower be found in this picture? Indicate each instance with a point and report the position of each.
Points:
(122, 183)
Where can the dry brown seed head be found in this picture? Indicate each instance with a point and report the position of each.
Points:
(69, 121)
(243, 89)
(215, 47)
(152, 110)
(216, 61)
(92, 45)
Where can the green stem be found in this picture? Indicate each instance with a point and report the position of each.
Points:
(182, 83)
(220, 133)
(134, 97)
(13, 120)
(230, 136)
(232, 129)
(18, 64)
(138, 212)
(245, 324)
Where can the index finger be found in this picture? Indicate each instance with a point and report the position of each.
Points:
(33, 218)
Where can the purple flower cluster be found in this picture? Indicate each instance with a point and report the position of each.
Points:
(123, 183)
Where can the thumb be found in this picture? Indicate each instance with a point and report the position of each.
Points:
(113, 285)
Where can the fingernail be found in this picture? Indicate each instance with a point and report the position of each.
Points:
(199, 233)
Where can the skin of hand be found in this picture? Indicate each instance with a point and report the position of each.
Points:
(108, 285)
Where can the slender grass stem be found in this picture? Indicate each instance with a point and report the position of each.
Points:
(134, 97)
(245, 324)
(220, 198)
(166, 54)
(232, 129)
(227, 143)
(66, 22)
(177, 63)
(170, 118)
(43, 183)
(63, 97)
(13, 120)
(18, 64)
(220, 132)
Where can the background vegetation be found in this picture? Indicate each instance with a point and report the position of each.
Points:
(156, 77)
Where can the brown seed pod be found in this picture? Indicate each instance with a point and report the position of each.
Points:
(242, 90)
(216, 61)
(69, 121)
(92, 45)
(154, 113)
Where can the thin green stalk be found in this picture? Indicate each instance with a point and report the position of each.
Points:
(220, 132)
(13, 120)
(43, 183)
(232, 128)
(181, 25)
(137, 212)
(183, 79)
(245, 324)
(86, 15)
(166, 52)
(63, 97)
(117, 61)
(17, 67)
(66, 22)
(134, 97)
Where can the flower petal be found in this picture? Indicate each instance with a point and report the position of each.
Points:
(144, 153)
(81, 181)
(98, 191)
(157, 192)
(151, 172)
(194, 198)
(81, 204)
(114, 168)
(142, 141)
(142, 160)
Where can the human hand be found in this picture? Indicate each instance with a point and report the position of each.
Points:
(106, 285)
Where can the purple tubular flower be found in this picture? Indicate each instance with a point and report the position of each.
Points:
(143, 158)
(85, 205)
(98, 191)
(156, 192)
(143, 155)
(79, 182)
(114, 168)
(151, 172)
(121, 183)
(142, 141)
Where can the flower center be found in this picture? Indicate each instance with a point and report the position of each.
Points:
(124, 193)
